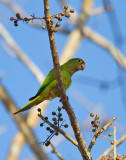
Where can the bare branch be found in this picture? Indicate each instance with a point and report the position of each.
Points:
(26, 131)
(21, 55)
(16, 9)
(99, 132)
(98, 39)
(56, 152)
(81, 143)
(114, 145)
(121, 140)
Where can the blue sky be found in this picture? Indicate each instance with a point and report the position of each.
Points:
(21, 84)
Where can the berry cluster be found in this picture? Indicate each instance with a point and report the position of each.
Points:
(54, 126)
(96, 129)
(118, 157)
(65, 12)
(53, 25)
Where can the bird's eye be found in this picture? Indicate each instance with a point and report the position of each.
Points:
(79, 61)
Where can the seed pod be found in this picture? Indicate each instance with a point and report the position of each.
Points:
(41, 124)
(57, 16)
(92, 115)
(109, 134)
(18, 15)
(57, 24)
(56, 133)
(66, 125)
(47, 128)
(72, 10)
(62, 14)
(54, 119)
(67, 15)
(53, 113)
(11, 18)
(39, 109)
(60, 18)
(47, 143)
(46, 118)
(65, 7)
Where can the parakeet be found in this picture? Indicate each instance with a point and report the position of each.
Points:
(49, 88)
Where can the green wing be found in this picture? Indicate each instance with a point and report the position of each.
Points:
(50, 77)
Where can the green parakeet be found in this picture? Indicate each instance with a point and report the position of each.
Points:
(49, 88)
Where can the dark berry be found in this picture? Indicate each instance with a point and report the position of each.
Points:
(41, 124)
(51, 131)
(18, 15)
(54, 119)
(55, 122)
(11, 18)
(56, 133)
(66, 125)
(59, 108)
(53, 113)
(47, 143)
(61, 119)
(26, 19)
(72, 10)
(47, 128)
(60, 114)
(39, 109)
(46, 118)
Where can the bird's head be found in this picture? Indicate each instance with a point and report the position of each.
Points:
(80, 64)
(77, 64)
(74, 65)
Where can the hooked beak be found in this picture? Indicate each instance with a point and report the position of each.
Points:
(82, 66)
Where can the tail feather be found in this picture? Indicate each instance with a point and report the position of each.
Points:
(28, 106)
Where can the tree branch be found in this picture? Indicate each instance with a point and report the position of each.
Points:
(121, 140)
(81, 144)
(59, 130)
(101, 41)
(114, 145)
(21, 55)
(56, 152)
(99, 132)
(25, 129)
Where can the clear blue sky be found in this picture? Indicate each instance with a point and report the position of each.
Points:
(21, 84)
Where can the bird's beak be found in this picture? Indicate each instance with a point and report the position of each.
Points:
(83, 66)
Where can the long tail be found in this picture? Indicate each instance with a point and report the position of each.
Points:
(29, 105)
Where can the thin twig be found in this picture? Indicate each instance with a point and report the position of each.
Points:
(59, 130)
(121, 140)
(56, 152)
(114, 145)
(99, 132)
